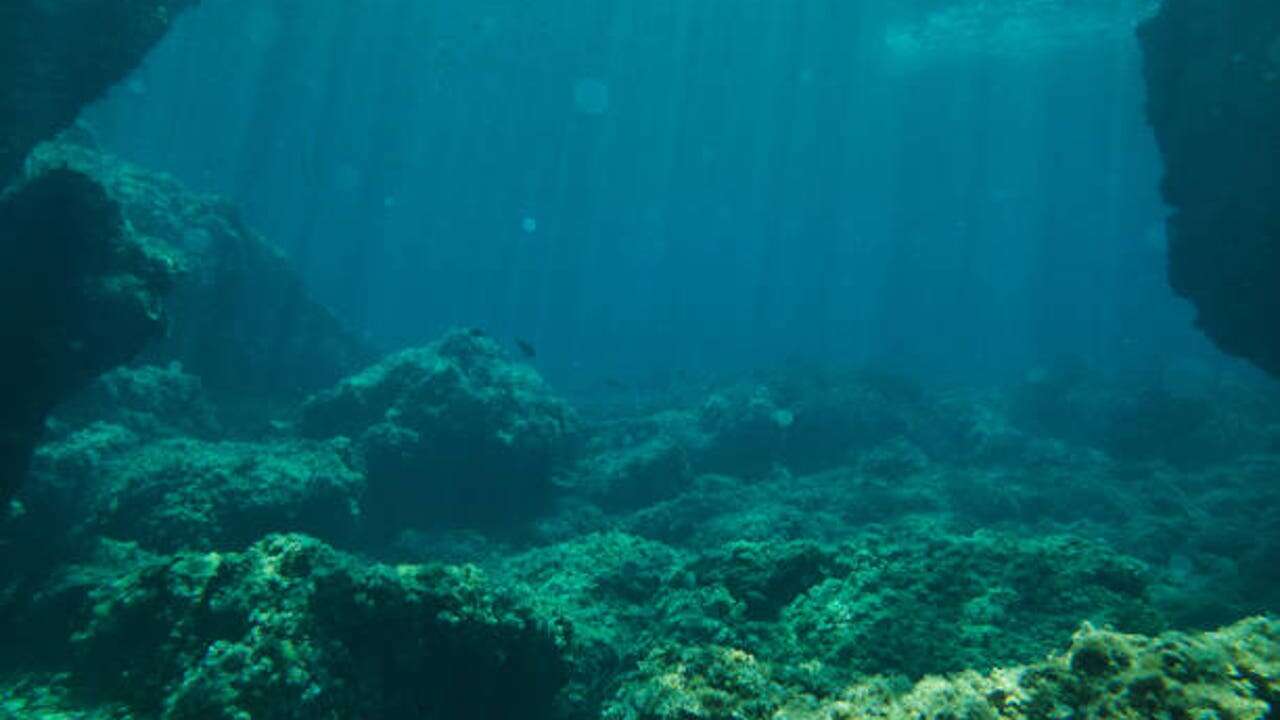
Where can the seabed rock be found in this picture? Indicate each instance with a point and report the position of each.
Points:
(1231, 674)
(80, 292)
(242, 320)
(291, 629)
(454, 433)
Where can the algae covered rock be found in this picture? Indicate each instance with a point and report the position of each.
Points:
(151, 400)
(452, 433)
(927, 604)
(1231, 674)
(242, 320)
(633, 476)
(186, 494)
(292, 629)
(80, 292)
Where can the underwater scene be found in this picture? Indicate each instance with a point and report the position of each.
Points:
(640, 359)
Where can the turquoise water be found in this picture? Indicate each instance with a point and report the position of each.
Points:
(661, 360)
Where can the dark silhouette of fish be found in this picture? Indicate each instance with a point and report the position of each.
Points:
(527, 349)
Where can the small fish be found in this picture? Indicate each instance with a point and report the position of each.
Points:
(615, 384)
(527, 349)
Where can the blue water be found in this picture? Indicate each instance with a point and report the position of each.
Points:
(641, 360)
(644, 187)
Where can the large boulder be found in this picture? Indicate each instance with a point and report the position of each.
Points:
(291, 629)
(80, 292)
(1213, 99)
(242, 319)
(454, 433)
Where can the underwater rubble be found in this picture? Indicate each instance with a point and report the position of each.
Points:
(1213, 100)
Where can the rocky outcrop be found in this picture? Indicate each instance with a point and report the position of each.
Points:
(1232, 673)
(1213, 88)
(80, 292)
(454, 433)
(290, 628)
(59, 56)
(243, 322)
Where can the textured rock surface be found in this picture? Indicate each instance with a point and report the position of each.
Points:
(971, 541)
(80, 292)
(151, 400)
(453, 433)
(906, 601)
(59, 56)
(1232, 674)
(185, 494)
(292, 629)
(241, 319)
(1213, 88)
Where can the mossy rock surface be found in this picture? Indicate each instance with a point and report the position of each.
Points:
(293, 629)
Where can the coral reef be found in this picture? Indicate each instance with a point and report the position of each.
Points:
(1214, 101)
(453, 433)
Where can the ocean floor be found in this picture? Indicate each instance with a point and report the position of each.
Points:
(441, 535)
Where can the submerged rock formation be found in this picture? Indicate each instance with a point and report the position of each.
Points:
(1232, 673)
(243, 322)
(290, 628)
(454, 433)
(1213, 87)
(80, 292)
(59, 56)
(105, 262)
